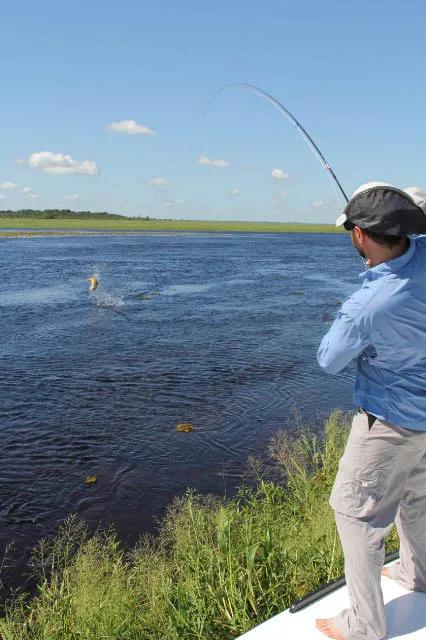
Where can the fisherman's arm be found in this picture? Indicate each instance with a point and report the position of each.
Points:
(342, 344)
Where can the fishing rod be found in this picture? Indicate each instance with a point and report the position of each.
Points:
(290, 117)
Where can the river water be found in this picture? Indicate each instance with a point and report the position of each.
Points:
(220, 330)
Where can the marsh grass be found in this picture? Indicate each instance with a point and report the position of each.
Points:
(216, 568)
(134, 224)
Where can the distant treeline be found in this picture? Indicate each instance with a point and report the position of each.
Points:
(52, 214)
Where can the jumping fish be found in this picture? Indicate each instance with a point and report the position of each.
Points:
(93, 281)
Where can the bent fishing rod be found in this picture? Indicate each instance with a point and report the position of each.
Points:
(290, 117)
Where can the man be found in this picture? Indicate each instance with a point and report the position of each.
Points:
(382, 474)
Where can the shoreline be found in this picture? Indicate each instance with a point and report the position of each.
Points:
(11, 227)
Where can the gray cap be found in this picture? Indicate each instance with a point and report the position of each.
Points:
(384, 209)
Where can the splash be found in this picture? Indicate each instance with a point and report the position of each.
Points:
(109, 300)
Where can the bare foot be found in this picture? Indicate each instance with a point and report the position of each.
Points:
(327, 626)
(386, 572)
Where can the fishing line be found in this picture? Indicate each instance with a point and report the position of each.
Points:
(290, 117)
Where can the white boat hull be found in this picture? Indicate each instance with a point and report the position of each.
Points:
(405, 616)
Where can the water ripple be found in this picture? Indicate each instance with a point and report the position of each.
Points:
(94, 384)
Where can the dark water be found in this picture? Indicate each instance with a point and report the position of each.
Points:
(95, 383)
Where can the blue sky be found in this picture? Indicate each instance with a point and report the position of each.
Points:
(352, 73)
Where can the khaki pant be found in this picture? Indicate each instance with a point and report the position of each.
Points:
(381, 480)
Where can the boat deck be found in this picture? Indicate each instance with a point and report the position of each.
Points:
(405, 615)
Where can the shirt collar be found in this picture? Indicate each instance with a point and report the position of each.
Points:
(390, 266)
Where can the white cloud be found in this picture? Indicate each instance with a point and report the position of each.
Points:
(29, 193)
(212, 163)
(2, 197)
(131, 127)
(61, 164)
(174, 203)
(11, 186)
(158, 182)
(318, 204)
(72, 196)
(278, 174)
(235, 192)
(203, 160)
(220, 163)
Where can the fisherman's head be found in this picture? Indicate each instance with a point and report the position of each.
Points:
(380, 217)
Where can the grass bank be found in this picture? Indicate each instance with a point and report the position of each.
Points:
(164, 225)
(216, 569)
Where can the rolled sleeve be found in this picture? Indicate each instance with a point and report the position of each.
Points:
(340, 345)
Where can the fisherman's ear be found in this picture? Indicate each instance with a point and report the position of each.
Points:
(359, 234)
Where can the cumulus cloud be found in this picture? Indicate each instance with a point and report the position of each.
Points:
(279, 174)
(72, 196)
(60, 164)
(33, 196)
(235, 192)
(212, 163)
(131, 127)
(158, 182)
(9, 186)
(318, 204)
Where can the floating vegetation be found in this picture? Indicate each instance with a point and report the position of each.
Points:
(298, 292)
(42, 233)
(147, 296)
(90, 480)
(184, 427)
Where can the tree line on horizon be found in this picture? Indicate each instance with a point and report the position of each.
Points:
(52, 214)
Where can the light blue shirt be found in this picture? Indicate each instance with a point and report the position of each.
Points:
(383, 327)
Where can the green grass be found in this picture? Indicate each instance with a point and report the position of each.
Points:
(216, 568)
(165, 225)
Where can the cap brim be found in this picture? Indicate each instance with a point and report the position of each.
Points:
(340, 220)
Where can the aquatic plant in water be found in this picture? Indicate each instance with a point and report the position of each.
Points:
(147, 296)
(184, 427)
